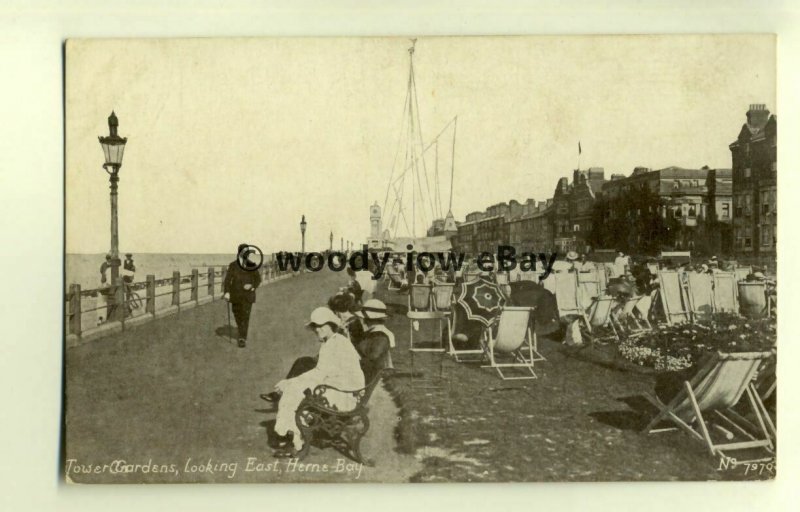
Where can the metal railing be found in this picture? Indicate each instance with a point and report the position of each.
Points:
(123, 304)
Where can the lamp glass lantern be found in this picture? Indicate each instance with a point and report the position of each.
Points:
(113, 145)
(303, 224)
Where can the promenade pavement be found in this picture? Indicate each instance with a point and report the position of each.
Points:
(177, 393)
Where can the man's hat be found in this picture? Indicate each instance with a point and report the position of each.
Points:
(572, 255)
(373, 309)
(759, 275)
(128, 255)
(322, 316)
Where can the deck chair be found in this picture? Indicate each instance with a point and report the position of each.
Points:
(422, 316)
(565, 285)
(514, 344)
(443, 300)
(715, 390)
(627, 319)
(765, 384)
(725, 300)
(419, 297)
(741, 273)
(464, 355)
(600, 317)
(588, 288)
(567, 300)
(396, 283)
(753, 299)
(672, 296)
(701, 295)
(653, 268)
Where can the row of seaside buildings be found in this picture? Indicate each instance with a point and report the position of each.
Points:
(731, 212)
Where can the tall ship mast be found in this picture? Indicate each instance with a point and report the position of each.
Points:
(413, 208)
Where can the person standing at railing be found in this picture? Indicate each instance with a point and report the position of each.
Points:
(239, 288)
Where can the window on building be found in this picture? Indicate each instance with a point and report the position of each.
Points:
(677, 212)
(695, 183)
(676, 185)
(576, 227)
(692, 211)
(726, 211)
(766, 235)
(748, 242)
(747, 172)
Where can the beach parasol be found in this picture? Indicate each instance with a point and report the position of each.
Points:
(481, 300)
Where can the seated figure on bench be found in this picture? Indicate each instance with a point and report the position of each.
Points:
(337, 366)
(365, 326)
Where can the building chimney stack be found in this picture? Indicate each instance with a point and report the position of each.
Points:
(757, 116)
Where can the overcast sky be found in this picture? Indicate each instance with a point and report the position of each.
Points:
(233, 140)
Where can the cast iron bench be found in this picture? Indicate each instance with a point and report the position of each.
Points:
(324, 425)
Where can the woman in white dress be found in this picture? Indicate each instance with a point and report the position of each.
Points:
(338, 366)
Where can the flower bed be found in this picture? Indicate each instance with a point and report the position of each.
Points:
(676, 347)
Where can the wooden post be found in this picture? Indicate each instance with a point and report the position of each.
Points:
(224, 274)
(211, 282)
(150, 302)
(176, 288)
(75, 309)
(195, 284)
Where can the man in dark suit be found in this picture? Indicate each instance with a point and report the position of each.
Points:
(239, 288)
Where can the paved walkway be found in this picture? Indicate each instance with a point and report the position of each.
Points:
(176, 395)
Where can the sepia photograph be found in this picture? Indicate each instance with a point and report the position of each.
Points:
(420, 259)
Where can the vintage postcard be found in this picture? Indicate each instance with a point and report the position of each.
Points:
(435, 259)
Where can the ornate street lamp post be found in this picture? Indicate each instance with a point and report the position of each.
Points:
(113, 148)
(303, 224)
(341, 244)
(331, 240)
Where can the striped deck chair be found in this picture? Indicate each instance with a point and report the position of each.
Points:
(700, 294)
(716, 389)
(672, 296)
(513, 346)
(753, 299)
(725, 299)
(567, 299)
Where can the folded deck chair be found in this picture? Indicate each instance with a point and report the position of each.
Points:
(701, 295)
(711, 394)
(725, 300)
(672, 296)
(753, 299)
(514, 344)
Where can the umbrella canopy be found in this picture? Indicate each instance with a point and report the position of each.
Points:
(481, 300)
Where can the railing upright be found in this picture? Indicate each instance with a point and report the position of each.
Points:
(211, 275)
(75, 309)
(195, 285)
(176, 288)
(150, 301)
